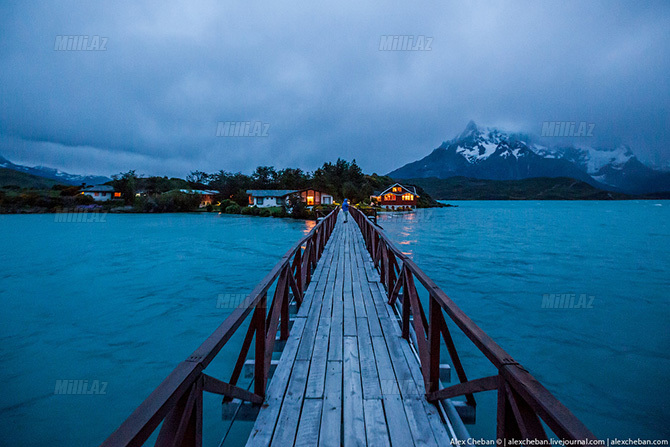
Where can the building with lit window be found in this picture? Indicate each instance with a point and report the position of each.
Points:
(313, 197)
(396, 197)
(102, 193)
(265, 198)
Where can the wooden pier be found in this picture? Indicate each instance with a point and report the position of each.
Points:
(360, 362)
(346, 376)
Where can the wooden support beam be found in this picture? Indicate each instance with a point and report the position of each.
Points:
(473, 386)
(216, 386)
(455, 358)
(393, 295)
(244, 351)
(297, 293)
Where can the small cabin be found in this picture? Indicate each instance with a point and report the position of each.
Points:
(102, 193)
(396, 197)
(311, 197)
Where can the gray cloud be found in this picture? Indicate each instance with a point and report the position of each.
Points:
(152, 100)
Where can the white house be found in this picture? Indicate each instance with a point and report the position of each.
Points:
(265, 198)
(101, 193)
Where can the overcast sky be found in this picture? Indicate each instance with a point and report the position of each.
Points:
(313, 71)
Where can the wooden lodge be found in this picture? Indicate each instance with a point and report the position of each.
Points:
(396, 197)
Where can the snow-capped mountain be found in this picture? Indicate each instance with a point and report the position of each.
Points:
(589, 159)
(489, 153)
(54, 174)
(616, 167)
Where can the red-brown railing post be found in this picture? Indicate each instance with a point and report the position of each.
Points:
(405, 308)
(284, 306)
(260, 373)
(434, 344)
(305, 264)
(183, 425)
(297, 262)
(384, 270)
(419, 326)
(506, 426)
(391, 271)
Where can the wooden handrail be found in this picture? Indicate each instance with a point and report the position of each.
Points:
(521, 398)
(178, 399)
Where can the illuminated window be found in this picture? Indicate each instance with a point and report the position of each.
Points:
(117, 194)
(389, 197)
(397, 189)
(407, 197)
(310, 200)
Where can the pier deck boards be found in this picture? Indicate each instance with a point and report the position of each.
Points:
(346, 377)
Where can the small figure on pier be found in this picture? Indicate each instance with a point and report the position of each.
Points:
(345, 210)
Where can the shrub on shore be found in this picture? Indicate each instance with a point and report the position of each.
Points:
(170, 202)
(279, 212)
(226, 203)
(274, 211)
(232, 209)
(250, 211)
(39, 201)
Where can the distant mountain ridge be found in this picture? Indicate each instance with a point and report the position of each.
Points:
(493, 154)
(12, 178)
(537, 188)
(54, 174)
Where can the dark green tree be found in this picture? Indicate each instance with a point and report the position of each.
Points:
(264, 177)
(125, 183)
(198, 179)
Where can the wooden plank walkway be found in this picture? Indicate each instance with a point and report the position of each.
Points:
(346, 377)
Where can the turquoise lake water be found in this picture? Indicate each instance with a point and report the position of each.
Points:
(124, 300)
(608, 364)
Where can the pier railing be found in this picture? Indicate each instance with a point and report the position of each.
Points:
(177, 401)
(522, 401)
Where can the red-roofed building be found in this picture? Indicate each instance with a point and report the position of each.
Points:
(397, 197)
